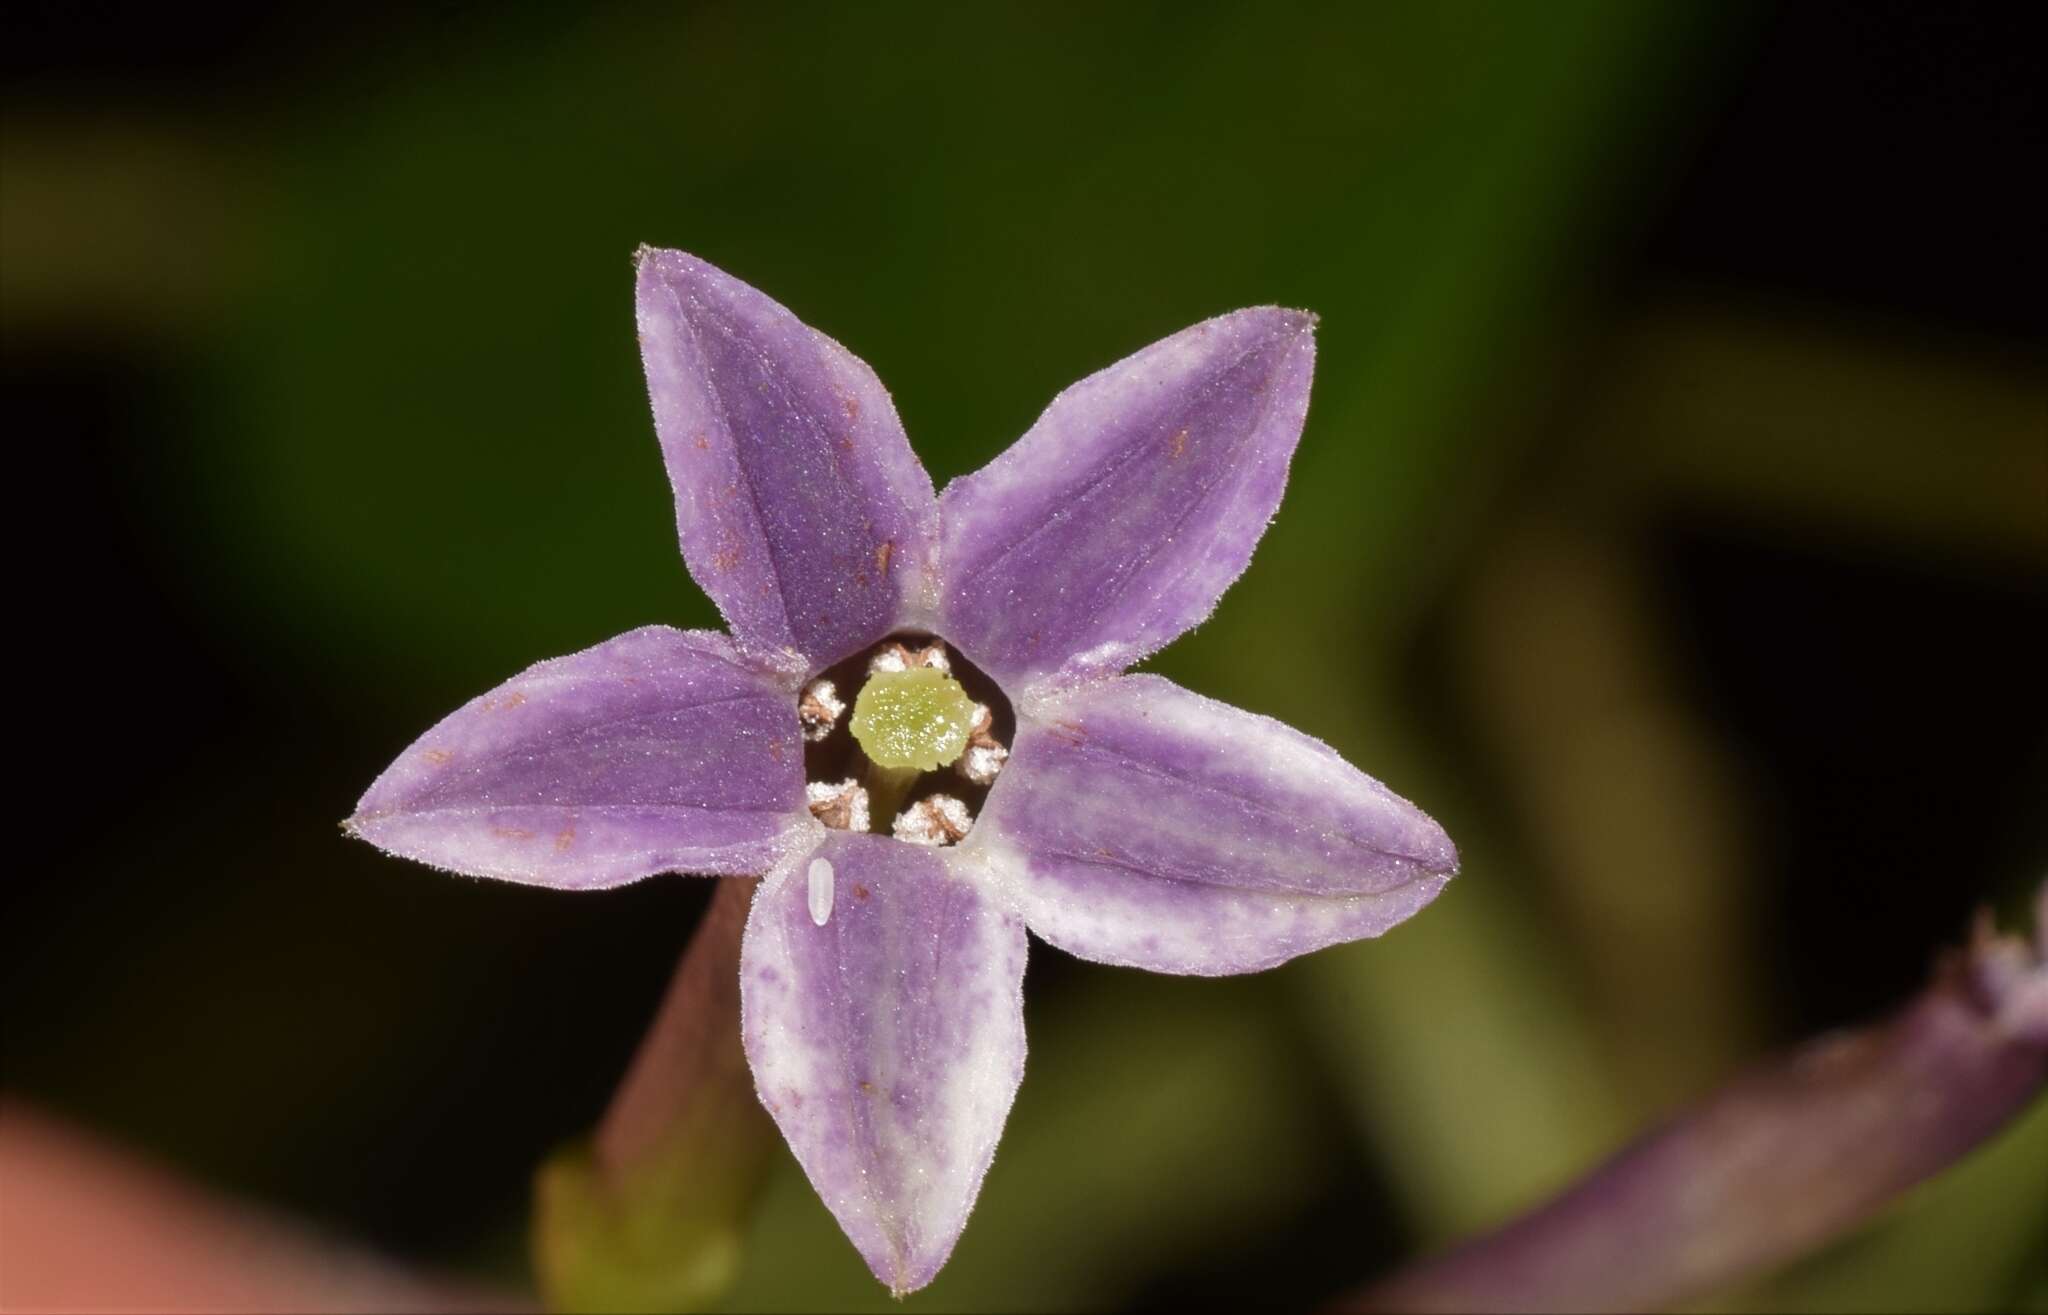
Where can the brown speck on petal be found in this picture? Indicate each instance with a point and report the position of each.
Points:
(565, 838)
(438, 757)
(1069, 732)
(1177, 446)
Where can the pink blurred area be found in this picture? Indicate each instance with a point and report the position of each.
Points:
(86, 1226)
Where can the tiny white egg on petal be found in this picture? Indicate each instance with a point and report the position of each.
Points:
(821, 890)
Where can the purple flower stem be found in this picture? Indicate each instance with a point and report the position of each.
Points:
(690, 1067)
(652, 1211)
(1785, 1158)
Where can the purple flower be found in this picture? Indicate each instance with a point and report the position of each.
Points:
(996, 772)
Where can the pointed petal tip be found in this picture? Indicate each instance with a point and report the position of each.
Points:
(1279, 321)
(648, 260)
(898, 1266)
(904, 1287)
(1427, 888)
(906, 1270)
(656, 751)
(1143, 824)
(1439, 857)
(800, 507)
(1121, 516)
(904, 1279)
(665, 266)
(662, 273)
(1431, 865)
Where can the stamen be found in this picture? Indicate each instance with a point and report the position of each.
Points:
(908, 716)
(982, 763)
(985, 754)
(938, 820)
(820, 709)
(820, 892)
(841, 805)
(896, 657)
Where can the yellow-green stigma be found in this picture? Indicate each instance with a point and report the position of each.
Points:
(917, 718)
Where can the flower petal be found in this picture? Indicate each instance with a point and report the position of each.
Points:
(801, 508)
(657, 751)
(1119, 519)
(1138, 823)
(887, 1039)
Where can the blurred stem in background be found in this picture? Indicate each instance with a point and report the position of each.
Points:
(1779, 1162)
(1633, 819)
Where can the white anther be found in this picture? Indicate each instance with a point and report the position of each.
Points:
(938, 820)
(900, 657)
(982, 762)
(985, 755)
(819, 710)
(820, 892)
(841, 805)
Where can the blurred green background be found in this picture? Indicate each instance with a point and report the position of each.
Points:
(1671, 522)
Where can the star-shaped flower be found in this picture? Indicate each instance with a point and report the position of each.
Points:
(997, 771)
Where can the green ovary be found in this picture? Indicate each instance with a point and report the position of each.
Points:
(917, 718)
